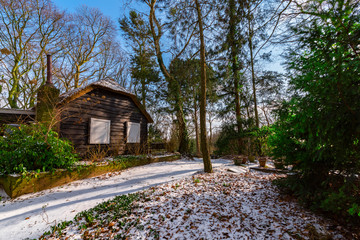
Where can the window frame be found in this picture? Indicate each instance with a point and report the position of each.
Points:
(92, 134)
(128, 129)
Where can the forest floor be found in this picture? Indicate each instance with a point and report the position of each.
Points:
(224, 205)
(169, 200)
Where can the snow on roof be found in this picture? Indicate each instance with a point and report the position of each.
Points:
(107, 83)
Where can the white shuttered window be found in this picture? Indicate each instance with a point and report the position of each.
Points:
(99, 131)
(133, 132)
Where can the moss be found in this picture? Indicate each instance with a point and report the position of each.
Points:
(16, 186)
(48, 97)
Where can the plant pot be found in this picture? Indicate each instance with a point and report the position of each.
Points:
(251, 159)
(237, 161)
(262, 161)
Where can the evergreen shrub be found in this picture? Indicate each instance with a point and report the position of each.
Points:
(34, 148)
(318, 129)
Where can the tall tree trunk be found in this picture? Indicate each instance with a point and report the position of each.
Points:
(143, 93)
(204, 143)
(77, 76)
(143, 85)
(184, 138)
(15, 89)
(183, 133)
(196, 127)
(210, 132)
(236, 74)
(251, 33)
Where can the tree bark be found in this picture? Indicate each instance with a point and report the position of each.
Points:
(196, 122)
(236, 73)
(184, 138)
(251, 33)
(204, 142)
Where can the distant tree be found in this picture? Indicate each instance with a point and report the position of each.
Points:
(113, 63)
(82, 45)
(157, 33)
(85, 38)
(29, 30)
(261, 19)
(272, 91)
(230, 14)
(144, 73)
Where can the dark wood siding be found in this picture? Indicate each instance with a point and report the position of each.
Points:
(6, 118)
(102, 104)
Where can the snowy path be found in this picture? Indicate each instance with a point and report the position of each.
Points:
(29, 216)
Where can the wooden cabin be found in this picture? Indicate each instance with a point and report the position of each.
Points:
(100, 117)
(103, 116)
(9, 116)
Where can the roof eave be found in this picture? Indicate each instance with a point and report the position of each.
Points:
(92, 87)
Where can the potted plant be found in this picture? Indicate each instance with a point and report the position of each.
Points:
(262, 161)
(261, 146)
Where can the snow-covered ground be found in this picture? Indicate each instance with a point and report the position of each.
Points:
(225, 205)
(29, 216)
(180, 203)
(222, 205)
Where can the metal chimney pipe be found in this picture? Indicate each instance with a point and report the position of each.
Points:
(49, 69)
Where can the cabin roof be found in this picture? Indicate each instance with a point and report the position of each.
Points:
(29, 112)
(107, 84)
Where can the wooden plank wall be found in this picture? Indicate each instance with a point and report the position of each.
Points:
(102, 104)
(15, 118)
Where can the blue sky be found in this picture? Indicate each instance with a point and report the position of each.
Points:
(116, 9)
(111, 8)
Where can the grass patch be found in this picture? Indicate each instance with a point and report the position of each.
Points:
(107, 217)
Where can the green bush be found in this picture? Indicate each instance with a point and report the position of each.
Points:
(318, 129)
(260, 140)
(227, 142)
(34, 147)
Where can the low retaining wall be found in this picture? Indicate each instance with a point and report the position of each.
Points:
(18, 185)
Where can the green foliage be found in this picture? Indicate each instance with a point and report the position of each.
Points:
(227, 140)
(192, 146)
(260, 136)
(34, 147)
(58, 228)
(112, 211)
(145, 77)
(318, 130)
(155, 135)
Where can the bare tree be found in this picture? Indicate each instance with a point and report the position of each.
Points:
(27, 30)
(85, 38)
(112, 63)
(259, 18)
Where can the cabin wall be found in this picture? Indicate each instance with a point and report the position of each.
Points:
(6, 118)
(102, 104)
